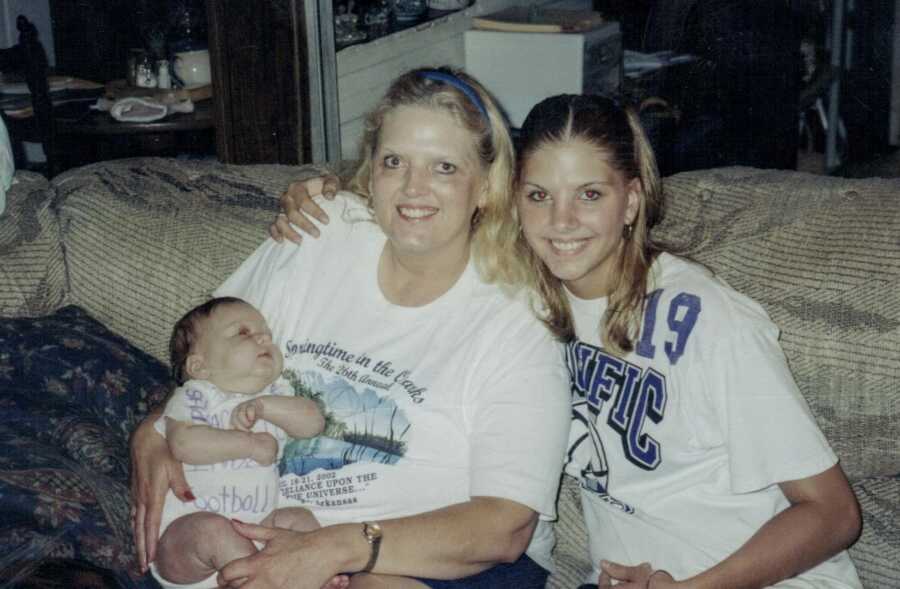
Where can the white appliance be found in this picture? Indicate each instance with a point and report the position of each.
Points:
(521, 69)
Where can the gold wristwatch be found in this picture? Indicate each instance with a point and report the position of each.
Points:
(372, 533)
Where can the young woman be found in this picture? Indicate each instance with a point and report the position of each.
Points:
(696, 453)
(444, 398)
(700, 463)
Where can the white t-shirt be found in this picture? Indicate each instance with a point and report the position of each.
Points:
(680, 445)
(241, 489)
(425, 406)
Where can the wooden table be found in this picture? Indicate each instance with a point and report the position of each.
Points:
(85, 136)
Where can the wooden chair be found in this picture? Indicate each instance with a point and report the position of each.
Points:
(28, 58)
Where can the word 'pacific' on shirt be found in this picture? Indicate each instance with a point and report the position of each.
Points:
(637, 396)
(599, 377)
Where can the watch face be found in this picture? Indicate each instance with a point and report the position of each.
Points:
(372, 534)
(372, 531)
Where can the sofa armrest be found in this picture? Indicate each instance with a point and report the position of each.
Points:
(32, 270)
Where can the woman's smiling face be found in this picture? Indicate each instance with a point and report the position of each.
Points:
(573, 207)
(426, 183)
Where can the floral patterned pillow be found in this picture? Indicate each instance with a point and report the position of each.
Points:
(69, 366)
(71, 392)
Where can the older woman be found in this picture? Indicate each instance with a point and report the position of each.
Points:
(445, 399)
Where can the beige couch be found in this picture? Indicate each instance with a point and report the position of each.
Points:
(137, 242)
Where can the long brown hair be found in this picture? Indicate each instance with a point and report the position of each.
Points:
(616, 132)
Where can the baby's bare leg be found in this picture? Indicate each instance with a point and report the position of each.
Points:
(195, 546)
(298, 519)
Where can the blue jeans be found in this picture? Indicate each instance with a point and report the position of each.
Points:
(522, 574)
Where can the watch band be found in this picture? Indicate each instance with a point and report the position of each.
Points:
(372, 534)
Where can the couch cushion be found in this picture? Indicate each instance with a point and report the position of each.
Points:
(147, 239)
(70, 394)
(571, 553)
(822, 255)
(32, 272)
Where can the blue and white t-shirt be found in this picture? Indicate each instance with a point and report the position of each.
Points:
(681, 444)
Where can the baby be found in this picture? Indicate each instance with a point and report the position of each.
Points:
(227, 422)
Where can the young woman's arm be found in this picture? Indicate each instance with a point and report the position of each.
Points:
(823, 519)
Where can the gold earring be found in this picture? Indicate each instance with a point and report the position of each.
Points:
(627, 231)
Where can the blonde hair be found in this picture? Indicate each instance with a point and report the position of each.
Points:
(421, 87)
(616, 132)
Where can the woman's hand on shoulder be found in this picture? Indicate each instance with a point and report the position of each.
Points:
(297, 206)
(153, 472)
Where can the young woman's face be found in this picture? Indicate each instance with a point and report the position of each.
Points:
(573, 208)
(426, 183)
(234, 350)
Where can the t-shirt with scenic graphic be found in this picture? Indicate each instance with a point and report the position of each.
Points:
(680, 444)
(424, 406)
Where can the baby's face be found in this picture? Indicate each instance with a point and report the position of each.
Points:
(236, 349)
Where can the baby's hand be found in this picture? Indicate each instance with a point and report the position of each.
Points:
(246, 414)
(265, 448)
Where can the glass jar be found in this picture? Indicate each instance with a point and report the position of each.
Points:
(145, 72)
(163, 74)
(135, 58)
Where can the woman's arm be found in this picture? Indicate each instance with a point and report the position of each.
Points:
(823, 519)
(153, 472)
(296, 200)
(452, 542)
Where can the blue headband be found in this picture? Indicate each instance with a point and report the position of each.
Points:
(460, 85)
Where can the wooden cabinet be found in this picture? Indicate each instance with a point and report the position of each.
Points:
(259, 67)
(257, 56)
(92, 37)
